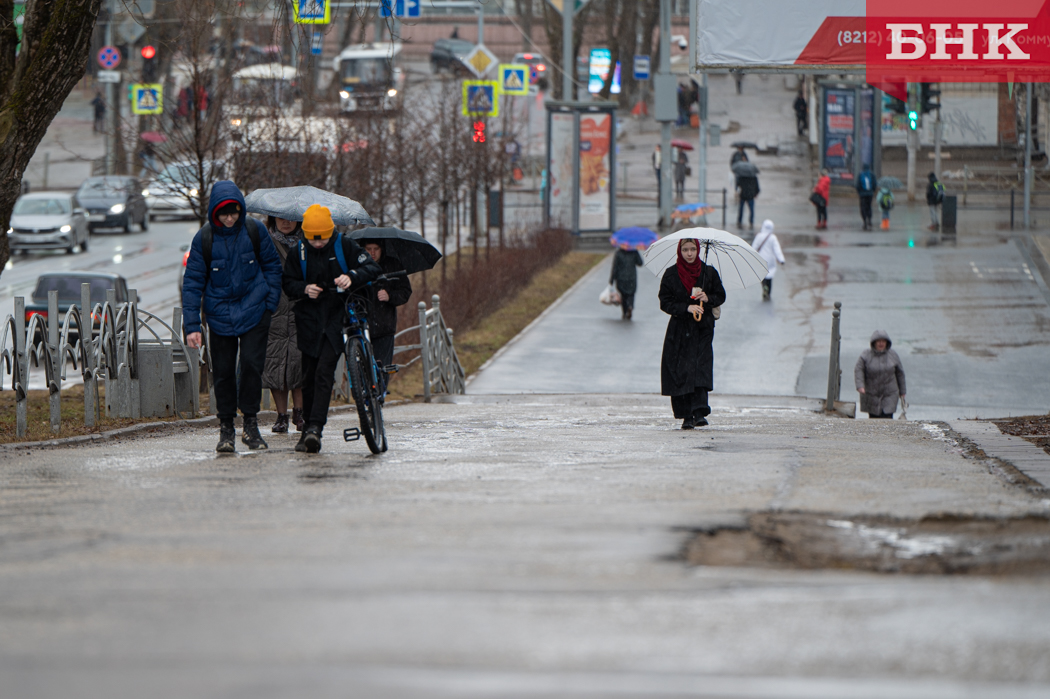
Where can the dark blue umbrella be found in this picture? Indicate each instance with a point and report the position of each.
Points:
(634, 237)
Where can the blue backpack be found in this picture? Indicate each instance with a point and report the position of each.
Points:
(340, 255)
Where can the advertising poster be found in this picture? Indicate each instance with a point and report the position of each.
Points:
(562, 125)
(838, 134)
(601, 59)
(595, 139)
(867, 128)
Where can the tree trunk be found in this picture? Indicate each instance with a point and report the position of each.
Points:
(56, 37)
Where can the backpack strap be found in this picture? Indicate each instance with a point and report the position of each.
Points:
(340, 254)
(302, 258)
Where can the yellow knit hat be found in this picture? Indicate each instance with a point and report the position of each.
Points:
(317, 223)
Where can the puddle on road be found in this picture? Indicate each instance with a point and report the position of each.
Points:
(942, 545)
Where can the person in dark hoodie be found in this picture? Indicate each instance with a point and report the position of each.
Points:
(320, 309)
(383, 299)
(233, 273)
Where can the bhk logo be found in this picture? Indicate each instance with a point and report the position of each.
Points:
(966, 41)
(908, 41)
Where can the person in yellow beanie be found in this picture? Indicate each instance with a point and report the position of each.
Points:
(323, 265)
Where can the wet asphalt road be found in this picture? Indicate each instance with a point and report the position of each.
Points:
(515, 546)
(969, 319)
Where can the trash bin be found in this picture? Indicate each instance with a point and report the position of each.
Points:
(949, 207)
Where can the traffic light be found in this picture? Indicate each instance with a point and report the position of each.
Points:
(149, 63)
(897, 105)
(479, 131)
(913, 120)
(929, 97)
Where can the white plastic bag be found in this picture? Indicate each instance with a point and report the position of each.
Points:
(904, 410)
(610, 297)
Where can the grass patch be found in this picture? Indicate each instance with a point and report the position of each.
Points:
(478, 344)
(38, 422)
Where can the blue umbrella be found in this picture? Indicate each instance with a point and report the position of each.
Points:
(686, 211)
(634, 237)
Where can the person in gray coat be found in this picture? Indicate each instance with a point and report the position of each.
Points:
(283, 371)
(879, 377)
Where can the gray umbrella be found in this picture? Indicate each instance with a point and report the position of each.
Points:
(890, 182)
(745, 169)
(291, 203)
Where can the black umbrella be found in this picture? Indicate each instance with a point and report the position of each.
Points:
(744, 169)
(411, 249)
(744, 144)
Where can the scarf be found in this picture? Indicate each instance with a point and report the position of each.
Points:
(289, 241)
(689, 273)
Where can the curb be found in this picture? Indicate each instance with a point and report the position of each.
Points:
(159, 427)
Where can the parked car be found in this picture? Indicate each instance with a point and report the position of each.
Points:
(449, 54)
(67, 284)
(537, 68)
(114, 202)
(173, 192)
(48, 221)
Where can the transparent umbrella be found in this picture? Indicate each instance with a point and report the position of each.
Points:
(290, 203)
(738, 264)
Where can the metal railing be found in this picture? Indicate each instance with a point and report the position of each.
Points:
(151, 377)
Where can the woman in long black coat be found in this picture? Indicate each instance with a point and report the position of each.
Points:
(688, 289)
(625, 275)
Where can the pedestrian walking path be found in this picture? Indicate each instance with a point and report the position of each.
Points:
(504, 546)
(1028, 458)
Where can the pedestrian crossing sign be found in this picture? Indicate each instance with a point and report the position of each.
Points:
(312, 11)
(147, 99)
(513, 79)
(480, 98)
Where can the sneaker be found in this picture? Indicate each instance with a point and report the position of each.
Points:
(281, 426)
(301, 446)
(688, 423)
(297, 418)
(312, 439)
(250, 434)
(227, 437)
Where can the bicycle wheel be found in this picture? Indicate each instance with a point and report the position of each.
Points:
(364, 390)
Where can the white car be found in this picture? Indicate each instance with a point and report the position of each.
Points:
(48, 221)
(175, 190)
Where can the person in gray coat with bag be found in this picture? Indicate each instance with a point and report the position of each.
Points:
(283, 371)
(879, 377)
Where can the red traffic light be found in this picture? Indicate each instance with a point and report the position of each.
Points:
(148, 52)
(479, 132)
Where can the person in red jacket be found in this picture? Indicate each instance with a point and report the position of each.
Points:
(819, 197)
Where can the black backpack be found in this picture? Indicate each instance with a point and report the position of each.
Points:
(208, 238)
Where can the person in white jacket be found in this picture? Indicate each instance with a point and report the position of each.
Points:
(768, 247)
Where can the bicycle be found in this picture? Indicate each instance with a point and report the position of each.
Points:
(364, 373)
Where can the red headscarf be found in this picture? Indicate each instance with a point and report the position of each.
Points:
(689, 273)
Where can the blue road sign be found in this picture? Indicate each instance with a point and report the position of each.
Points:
(641, 67)
(316, 43)
(312, 11)
(399, 8)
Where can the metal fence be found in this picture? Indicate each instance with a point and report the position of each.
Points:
(145, 367)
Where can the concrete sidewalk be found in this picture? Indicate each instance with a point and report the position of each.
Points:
(505, 546)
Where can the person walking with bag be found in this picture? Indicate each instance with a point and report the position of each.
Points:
(284, 362)
(934, 197)
(323, 264)
(866, 192)
(885, 206)
(820, 196)
(233, 274)
(879, 377)
(690, 291)
(767, 245)
(624, 275)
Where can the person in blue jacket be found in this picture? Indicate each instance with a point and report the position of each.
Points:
(866, 192)
(233, 273)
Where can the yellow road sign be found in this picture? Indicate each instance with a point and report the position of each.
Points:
(480, 60)
(480, 98)
(147, 98)
(514, 78)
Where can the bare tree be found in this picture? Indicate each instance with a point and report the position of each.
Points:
(34, 82)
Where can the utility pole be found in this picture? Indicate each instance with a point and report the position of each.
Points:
(481, 23)
(701, 113)
(568, 63)
(665, 98)
(111, 104)
(1028, 157)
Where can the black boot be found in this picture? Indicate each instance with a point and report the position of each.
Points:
(250, 434)
(301, 445)
(297, 418)
(281, 426)
(227, 437)
(312, 439)
(688, 424)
